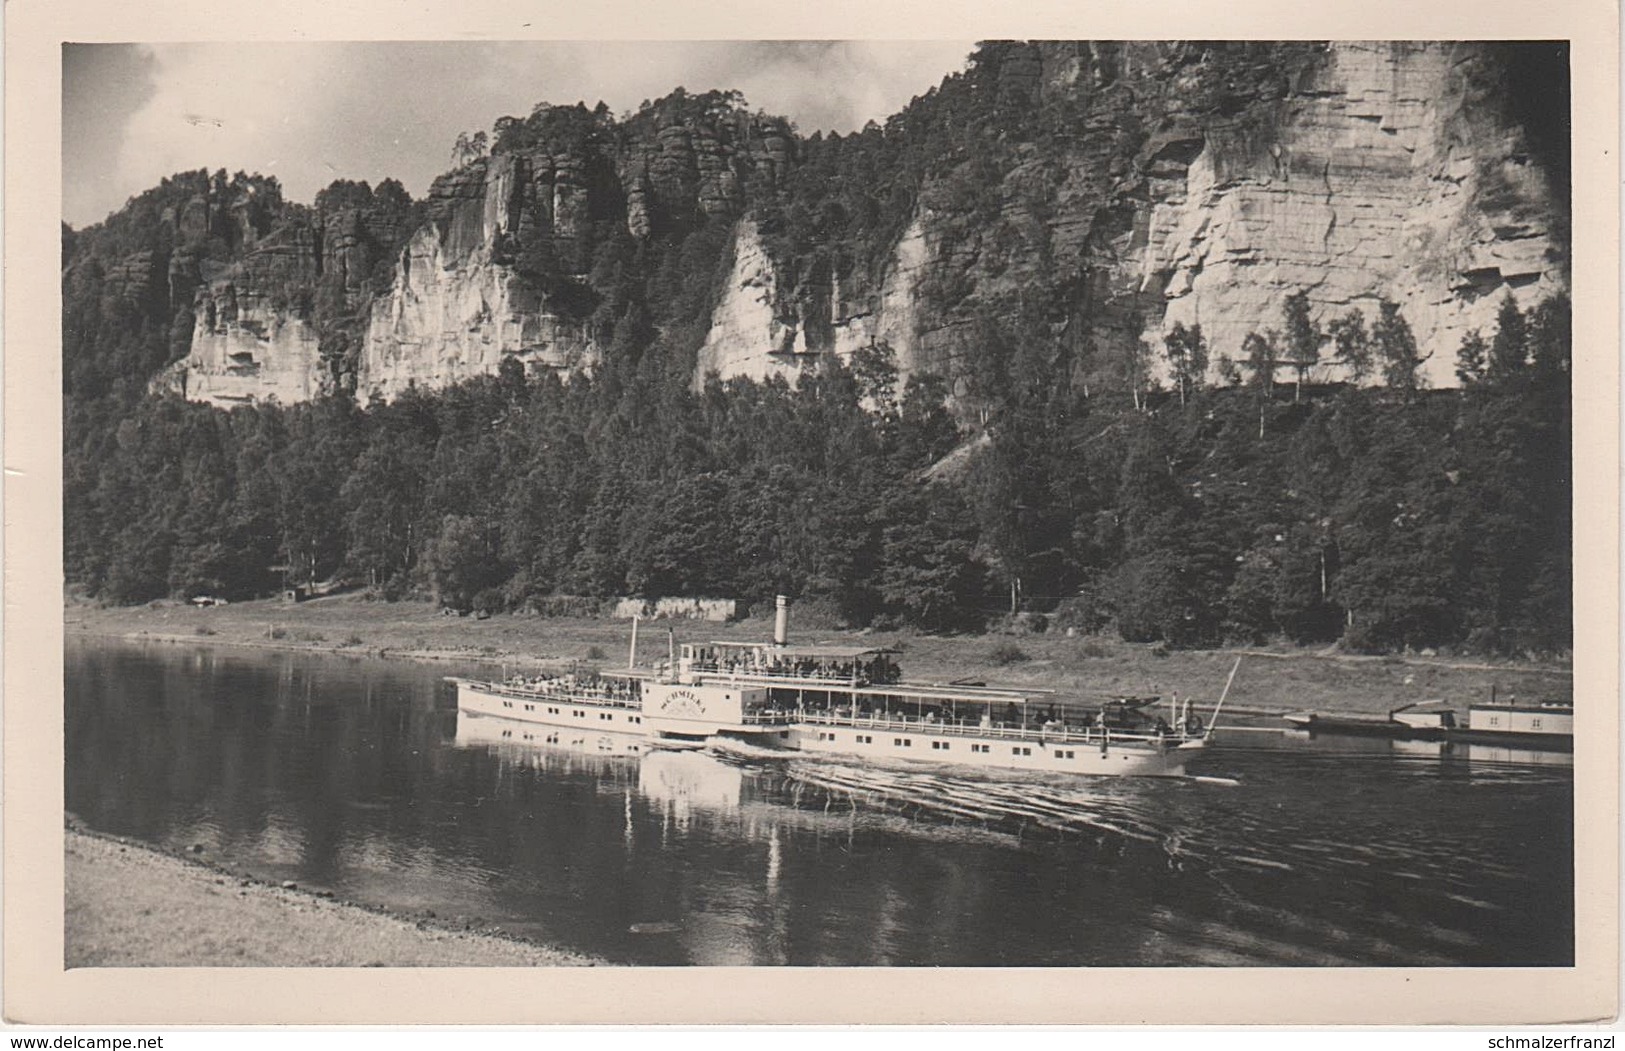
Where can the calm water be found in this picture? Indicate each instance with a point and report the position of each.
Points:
(356, 775)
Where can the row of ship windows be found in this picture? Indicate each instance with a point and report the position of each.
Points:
(1534, 724)
(943, 746)
(603, 716)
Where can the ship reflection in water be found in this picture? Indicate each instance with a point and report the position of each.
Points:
(1460, 753)
(360, 777)
(678, 777)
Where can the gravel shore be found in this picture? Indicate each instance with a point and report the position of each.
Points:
(131, 906)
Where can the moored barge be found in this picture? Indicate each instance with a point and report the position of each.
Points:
(1546, 725)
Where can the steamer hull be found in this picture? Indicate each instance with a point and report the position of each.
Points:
(572, 710)
(848, 702)
(1030, 755)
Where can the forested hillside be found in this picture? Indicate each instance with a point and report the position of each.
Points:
(1385, 518)
(1037, 455)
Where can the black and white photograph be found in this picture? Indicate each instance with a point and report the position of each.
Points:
(1025, 504)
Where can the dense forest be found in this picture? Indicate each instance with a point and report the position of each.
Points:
(1162, 492)
(1384, 517)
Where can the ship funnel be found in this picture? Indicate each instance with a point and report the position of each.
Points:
(781, 621)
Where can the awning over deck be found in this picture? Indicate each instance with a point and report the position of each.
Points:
(942, 694)
(814, 651)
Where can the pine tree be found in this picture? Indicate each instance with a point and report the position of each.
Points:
(1471, 358)
(1138, 369)
(1260, 353)
(1551, 339)
(1396, 348)
(1353, 344)
(1509, 350)
(1186, 351)
(1303, 338)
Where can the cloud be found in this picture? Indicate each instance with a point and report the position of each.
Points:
(310, 113)
(103, 86)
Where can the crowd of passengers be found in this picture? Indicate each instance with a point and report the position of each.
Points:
(757, 662)
(1014, 717)
(593, 686)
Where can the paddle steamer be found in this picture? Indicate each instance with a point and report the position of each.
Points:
(852, 702)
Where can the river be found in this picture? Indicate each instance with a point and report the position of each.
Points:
(358, 776)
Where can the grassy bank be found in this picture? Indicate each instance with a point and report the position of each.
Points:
(1272, 680)
(131, 906)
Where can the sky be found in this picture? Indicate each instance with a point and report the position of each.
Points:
(309, 113)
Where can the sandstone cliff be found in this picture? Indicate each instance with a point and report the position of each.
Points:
(1098, 192)
(276, 322)
(1354, 172)
(1383, 175)
(456, 308)
(503, 267)
(252, 337)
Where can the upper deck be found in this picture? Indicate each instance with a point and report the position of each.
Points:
(597, 690)
(814, 666)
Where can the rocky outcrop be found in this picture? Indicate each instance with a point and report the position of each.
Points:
(749, 336)
(1378, 179)
(259, 355)
(758, 330)
(479, 282)
(447, 320)
(1198, 184)
(458, 307)
(252, 337)
(1098, 192)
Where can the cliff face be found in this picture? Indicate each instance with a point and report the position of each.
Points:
(272, 311)
(758, 329)
(511, 238)
(1103, 191)
(252, 338)
(1384, 174)
(1354, 172)
(457, 308)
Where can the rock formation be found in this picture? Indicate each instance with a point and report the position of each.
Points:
(456, 309)
(1124, 187)
(1353, 172)
(1381, 177)
(252, 337)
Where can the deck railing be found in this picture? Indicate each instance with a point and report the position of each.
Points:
(777, 676)
(768, 718)
(559, 694)
(1050, 734)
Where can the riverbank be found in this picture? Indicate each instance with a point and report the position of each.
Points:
(1271, 680)
(131, 906)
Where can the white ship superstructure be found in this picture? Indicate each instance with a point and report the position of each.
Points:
(851, 702)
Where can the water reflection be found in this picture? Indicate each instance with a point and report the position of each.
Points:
(1464, 758)
(361, 777)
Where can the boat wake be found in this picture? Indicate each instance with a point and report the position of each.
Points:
(1107, 811)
